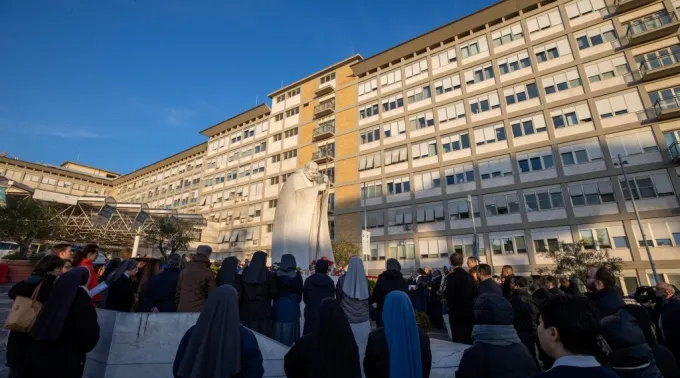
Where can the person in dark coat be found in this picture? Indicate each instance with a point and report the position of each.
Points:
(602, 286)
(663, 357)
(400, 346)
(329, 351)
(669, 319)
(162, 288)
(218, 345)
(434, 308)
(64, 331)
(629, 356)
(460, 294)
(550, 284)
(258, 289)
(487, 284)
(108, 273)
(228, 273)
(287, 301)
(121, 296)
(196, 282)
(569, 287)
(317, 287)
(525, 313)
(389, 280)
(42, 279)
(421, 294)
(506, 275)
(496, 351)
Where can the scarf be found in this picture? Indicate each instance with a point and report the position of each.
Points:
(501, 335)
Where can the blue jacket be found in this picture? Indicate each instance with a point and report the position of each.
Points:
(160, 291)
(251, 357)
(607, 301)
(317, 288)
(489, 286)
(287, 302)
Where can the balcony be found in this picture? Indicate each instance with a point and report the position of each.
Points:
(658, 67)
(649, 28)
(674, 150)
(626, 5)
(323, 155)
(325, 88)
(666, 108)
(324, 130)
(325, 108)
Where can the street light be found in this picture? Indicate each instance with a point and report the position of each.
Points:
(637, 215)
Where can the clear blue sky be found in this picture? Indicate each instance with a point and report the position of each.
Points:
(124, 83)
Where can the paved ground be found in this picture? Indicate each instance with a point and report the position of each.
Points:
(5, 306)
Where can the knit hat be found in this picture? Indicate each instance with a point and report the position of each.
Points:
(204, 250)
(492, 309)
(173, 260)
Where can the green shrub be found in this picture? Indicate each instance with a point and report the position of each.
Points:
(371, 285)
(423, 321)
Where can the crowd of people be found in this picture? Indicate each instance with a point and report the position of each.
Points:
(547, 326)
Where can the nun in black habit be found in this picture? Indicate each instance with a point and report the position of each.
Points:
(258, 289)
(329, 351)
(228, 273)
(65, 330)
(218, 346)
(287, 302)
(121, 291)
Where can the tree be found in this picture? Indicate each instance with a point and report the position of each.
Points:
(343, 250)
(25, 220)
(574, 260)
(171, 233)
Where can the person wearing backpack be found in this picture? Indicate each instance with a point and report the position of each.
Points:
(39, 286)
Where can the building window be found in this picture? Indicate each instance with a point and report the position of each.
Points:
(460, 209)
(528, 126)
(444, 58)
(433, 248)
(629, 144)
(576, 9)
(544, 21)
(561, 82)
(327, 78)
(490, 134)
(618, 105)
(594, 193)
(427, 181)
(418, 94)
(460, 174)
(371, 190)
(501, 204)
(274, 180)
(374, 219)
(542, 199)
(369, 162)
(484, 103)
(508, 245)
(494, 168)
(369, 136)
(392, 103)
(520, 93)
(659, 58)
(277, 118)
(514, 63)
(290, 133)
(507, 35)
(581, 153)
(571, 116)
(261, 147)
(396, 155)
(446, 85)
(289, 154)
(647, 186)
(535, 161)
(292, 112)
(281, 98)
(473, 48)
(368, 111)
(368, 86)
(607, 69)
(424, 149)
(456, 142)
(398, 185)
(479, 74)
(394, 128)
(595, 36)
(451, 112)
(430, 213)
(464, 244)
(421, 121)
(390, 78)
(416, 69)
(293, 93)
(278, 137)
(665, 94)
(552, 51)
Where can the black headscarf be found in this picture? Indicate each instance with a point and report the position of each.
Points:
(124, 267)
(51, 318)
(335, 352)
(227, 273)
(256, 272)
(288, 266)
(321, 267)
(110, 268)
(392, 264)
(214, 350)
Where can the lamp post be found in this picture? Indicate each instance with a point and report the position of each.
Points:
(475, 244)
(637, 215)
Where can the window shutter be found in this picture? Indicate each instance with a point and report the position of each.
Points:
(532, 24)
(603, 107)
(460, 109)
(516, 29)
(633, 102)
(572, 11)
(584, 6)
(543, 21)
(555, 18)
(563, 47)
(646, 138)
(493, 99)
(483, 44)
(662, 183)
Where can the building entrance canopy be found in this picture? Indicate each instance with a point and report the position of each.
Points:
(100, 219)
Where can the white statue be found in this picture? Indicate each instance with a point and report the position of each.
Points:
(301, 218)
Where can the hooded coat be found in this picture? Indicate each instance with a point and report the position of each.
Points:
(388, 281)
(195, 284)
(496, 351)
(317, 288)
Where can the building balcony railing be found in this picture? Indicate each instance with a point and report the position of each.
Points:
(626, 5)
(665, 65)
(325, 88)
(666, 108)
(674, 150)
(325, 108)
(323, 155)
(324, 130)
(648, 28)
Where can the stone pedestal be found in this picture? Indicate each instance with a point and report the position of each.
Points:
(144, 345)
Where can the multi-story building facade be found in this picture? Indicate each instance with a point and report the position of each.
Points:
(524, 106)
